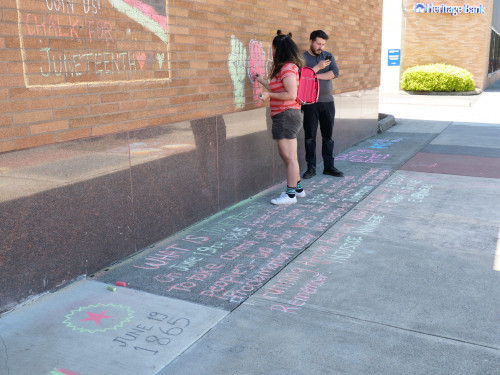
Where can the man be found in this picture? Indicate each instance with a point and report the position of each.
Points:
(325, 66)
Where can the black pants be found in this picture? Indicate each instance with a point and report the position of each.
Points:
(324, 114)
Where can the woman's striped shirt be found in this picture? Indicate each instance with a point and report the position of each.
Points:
(276, 83)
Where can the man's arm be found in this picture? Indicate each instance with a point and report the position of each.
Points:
(326, 76)
(333, 70)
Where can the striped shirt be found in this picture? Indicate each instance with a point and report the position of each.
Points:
(276, 83)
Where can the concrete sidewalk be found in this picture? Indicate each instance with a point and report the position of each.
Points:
(393, 269)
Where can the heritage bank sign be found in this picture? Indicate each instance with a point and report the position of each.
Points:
(448, 9)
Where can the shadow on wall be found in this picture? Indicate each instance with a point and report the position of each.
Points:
(73, 208)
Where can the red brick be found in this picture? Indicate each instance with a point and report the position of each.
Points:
(49, 127)
(84, 122)
(13, 132)
(66, 113)
(6, 146)
(74, 134)
(5, 120)
(106, 129)
(36, 141)
(31, 117)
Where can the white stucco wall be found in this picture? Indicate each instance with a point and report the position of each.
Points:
(392, 24)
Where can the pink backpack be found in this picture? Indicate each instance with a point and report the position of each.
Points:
(308, 90)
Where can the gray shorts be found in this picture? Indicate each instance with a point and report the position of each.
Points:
(287, 124)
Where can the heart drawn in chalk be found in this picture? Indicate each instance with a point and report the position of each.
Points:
(160, 57)
(141, 58)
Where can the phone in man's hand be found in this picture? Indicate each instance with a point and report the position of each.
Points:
(328, 58)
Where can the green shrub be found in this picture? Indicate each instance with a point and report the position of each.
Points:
(437, 77)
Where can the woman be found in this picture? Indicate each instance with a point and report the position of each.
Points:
(285, 110)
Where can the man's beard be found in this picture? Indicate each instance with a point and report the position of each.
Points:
(314, 52)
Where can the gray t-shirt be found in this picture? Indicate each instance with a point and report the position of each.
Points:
(325, 87)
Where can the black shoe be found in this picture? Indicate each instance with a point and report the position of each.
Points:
(311, 172)
(333, 172)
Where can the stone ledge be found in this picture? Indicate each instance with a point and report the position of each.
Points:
(385, 122)
(445, 93)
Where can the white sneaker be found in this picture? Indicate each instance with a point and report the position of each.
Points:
(302, 194)
(284, 199)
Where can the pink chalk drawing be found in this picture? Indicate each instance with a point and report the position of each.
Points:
(363, 156)
(256, 65)
(61, 371)
(96, 317)
(141, 58)
(88, 319)
(152, 16)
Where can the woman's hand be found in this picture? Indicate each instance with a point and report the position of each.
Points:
(259, 78)
(264, 96)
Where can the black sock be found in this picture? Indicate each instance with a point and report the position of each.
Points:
(290, 191)
(299, 188)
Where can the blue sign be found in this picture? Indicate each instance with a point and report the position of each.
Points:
(394, 57)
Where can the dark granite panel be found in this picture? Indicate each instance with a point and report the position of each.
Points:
(462, 150)
(53, 237)
(460, 165)
(174, 177)
(348, 132)
(245, 156)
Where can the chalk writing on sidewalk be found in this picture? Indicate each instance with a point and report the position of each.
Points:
(290, 290)
(61, 371)
(98, 318)
(383, 143)
(154, 334)
(363, 156)
(224, 262)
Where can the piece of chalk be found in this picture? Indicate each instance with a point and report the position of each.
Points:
(121, 283)
(112, 288)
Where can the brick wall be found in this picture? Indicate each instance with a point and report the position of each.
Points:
(73, 69)
(462, 40)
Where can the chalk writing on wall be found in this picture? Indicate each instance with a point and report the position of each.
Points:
(239, 66)
(237, 61)
(75, 42)
(256, 65)
(98, 318)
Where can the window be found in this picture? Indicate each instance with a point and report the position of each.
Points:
(494, 64)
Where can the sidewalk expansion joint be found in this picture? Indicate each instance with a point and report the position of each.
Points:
(401, 328)
(6, 355)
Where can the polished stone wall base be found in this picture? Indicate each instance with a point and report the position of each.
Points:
(73, 208)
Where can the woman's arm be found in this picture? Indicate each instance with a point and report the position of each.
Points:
(290, 93)
(263, 82)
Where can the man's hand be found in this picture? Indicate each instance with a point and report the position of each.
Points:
(321, 65)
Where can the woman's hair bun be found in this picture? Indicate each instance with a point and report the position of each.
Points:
(279, 33)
